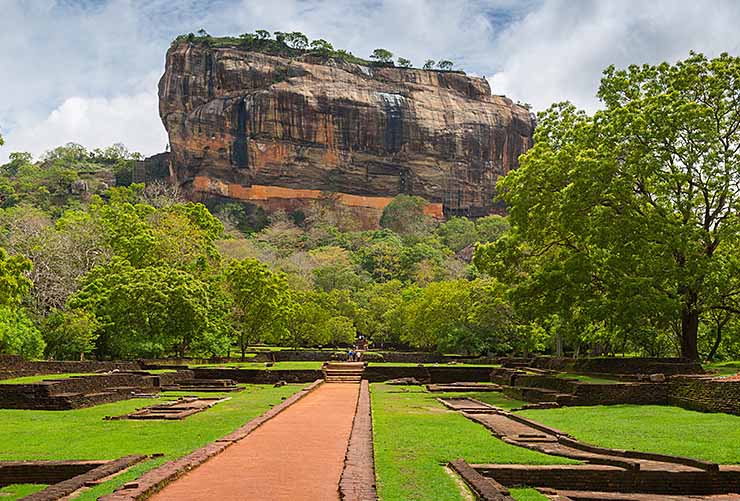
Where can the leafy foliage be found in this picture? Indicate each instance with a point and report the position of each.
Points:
(626, 220)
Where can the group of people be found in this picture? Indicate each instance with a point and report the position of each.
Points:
(354, 355)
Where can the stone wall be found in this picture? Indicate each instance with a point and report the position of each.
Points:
(618, 365)
(620, 393)
(82, 391)
(43, 472)
(704, 394)
(259, 376)
(442, 374)
(12, 366)
(612, 479)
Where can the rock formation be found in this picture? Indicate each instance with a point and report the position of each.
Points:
(279, 131)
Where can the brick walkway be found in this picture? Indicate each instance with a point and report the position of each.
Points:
(298, 455)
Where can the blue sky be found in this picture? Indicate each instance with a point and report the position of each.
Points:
(86, 70)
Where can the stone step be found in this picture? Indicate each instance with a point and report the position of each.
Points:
(343, 379)
(345, 365)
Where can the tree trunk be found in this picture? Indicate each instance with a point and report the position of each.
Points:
(558, 345)
(717, 340)
(689, 333)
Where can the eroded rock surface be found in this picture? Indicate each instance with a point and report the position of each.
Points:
(281, 131)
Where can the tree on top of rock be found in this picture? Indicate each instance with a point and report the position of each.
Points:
(445, 65)
(404, 63)
(382, 56)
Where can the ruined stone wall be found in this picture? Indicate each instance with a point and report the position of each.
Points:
(617, 365)
(12, 366)
(705, 394)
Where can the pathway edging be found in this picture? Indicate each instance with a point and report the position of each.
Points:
(357, 482)
(154, 480)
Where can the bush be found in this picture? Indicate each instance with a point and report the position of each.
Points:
(18, 335)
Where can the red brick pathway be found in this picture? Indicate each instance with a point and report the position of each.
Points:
(298, 455)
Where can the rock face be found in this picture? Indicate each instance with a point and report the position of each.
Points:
(280, 132)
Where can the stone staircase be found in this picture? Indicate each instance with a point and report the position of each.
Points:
(343, 372)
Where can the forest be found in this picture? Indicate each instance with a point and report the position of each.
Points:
(621, 238)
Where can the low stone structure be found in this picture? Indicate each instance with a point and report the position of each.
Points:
(84, 391)
(707, 394)
(12, 366)
(606, 470)
(608, 365)
(65, 477)
(179, 409)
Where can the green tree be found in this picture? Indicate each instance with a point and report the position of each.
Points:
(296, 40)
(341, 331)
(321, 47)
(14, 284)
(458, 233)
(429, 64)
(404, 63)
(445, 65)
(258, 296)
(150, 311)
(18, 334)
(305, 321)
(630, 211)
(405, 215)
(70, 334)
(382, 56)
(262, 34)
(491, 228)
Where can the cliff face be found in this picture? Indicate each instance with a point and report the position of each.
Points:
(280, 132)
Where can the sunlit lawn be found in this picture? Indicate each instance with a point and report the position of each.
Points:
(262, 365)
(651, 428)
(84, 434)
(415, 436)
(44, 377)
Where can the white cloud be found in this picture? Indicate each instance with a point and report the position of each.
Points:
(95, 122)
(558, 51)
(86, 70)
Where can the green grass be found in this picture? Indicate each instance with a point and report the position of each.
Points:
(525, 494)
(415, 436)
(490, 397)
(587, 379)
(18, 491)
(44, 377)
(261, 365)
(729, 368)
(84, 434)
(411, 364)
(650, 428)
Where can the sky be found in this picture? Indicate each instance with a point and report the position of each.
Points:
(86, 70)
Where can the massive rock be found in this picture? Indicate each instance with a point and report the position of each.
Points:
(280, 131)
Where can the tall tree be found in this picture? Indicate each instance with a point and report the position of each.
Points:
(258, 297)
(630, 211)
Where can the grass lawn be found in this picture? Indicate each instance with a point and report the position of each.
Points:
(410, 364)
(415, 436)
(18, 491)
(261, 365)
(587, 379)
(44, 377)
(83, 434)
(523, 494)
(724, 368)
(650, 428)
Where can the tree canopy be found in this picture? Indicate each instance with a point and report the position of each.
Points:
(629, 215)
